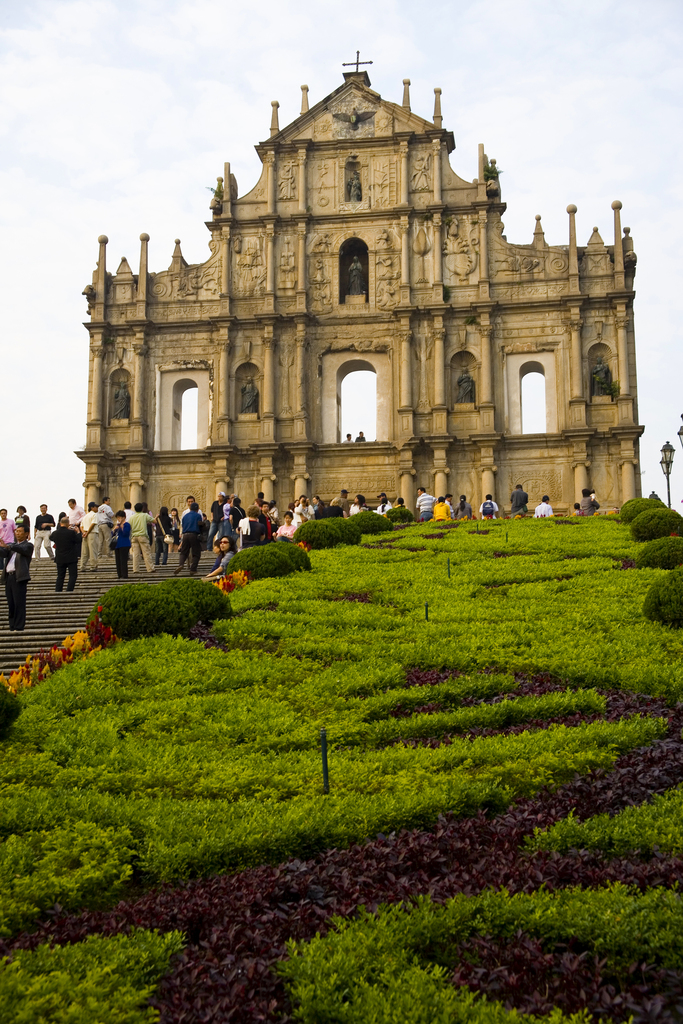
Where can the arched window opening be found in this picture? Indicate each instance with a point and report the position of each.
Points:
(185, 428)
(534, 417)
(358, 404)
(353, 272)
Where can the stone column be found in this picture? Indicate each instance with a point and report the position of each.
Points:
(580, 479)
(406, 397)
(268, 408)
(438, 334)
(488, 483)
(436, 180)
(441, 472)
(404, 173)
(619, 283)
(575, 325)
(101, 288)
(300, 382)
(407, 484)
(301, 267)
(225, 261)
(270, 259)
(628, 481)
(438, 270)
(302, 180)
(138, 420)
(136, 491)
(573, 252)
(486, 387)
(141, 305)
(269, 160)
(96, 392)
(405, 261)
(483, 256)
(621, 323)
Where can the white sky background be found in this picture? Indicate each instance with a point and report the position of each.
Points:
(115, 116)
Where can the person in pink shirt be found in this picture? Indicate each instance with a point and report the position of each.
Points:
(7, 527)
(287, 531)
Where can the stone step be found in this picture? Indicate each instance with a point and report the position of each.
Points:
(52, 616)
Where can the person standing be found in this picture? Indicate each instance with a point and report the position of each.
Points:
(192, 527)
(251, 530)
(344, 502)
(384, 504)
(237, 513)
(488, 508)
(139, 538)
(16, 576)
(545, 509)
(76, 513)
(361, 437)
(348, 439)
(122, 550)
(518, 501)
(24, 519)
(105, 524)
(216, 517)
(589, 505)
(164, 527)
(91, 538)
(43, 526)
(67, 548)
(7, 528)
(175, 529)
(424, 505)
(128, 509)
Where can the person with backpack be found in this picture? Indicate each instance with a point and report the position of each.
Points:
(488, 508)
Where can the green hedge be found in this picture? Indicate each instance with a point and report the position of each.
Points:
(267, 560)
(631, 509)
(9, 709)
(175, 606)
(654, 523)
(664, 600)
(664, 553)
(370, 522)
(400, 514)
(98, 979)
(328, 533)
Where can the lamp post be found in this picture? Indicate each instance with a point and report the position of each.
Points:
(666, 463)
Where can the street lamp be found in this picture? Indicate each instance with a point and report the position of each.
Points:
(666, 463)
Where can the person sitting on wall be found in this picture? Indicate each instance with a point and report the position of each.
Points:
(463, 510)
(518, 501)
(442, 512)
(577, 509)
(544, 510)
(228, 550)
(451, 505)
(331, 511)
(348, 438)
(589, 505)
(384, 504)
(288, 529)
(488, 508)
(361, 436)
(252, 532)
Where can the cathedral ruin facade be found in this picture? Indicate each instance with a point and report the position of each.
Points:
(360, 248)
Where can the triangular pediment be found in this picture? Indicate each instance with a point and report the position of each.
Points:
(353, 111)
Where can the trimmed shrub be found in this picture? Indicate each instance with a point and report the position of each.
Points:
(9, 709)
(175, 606)
(328, 533)
(656, 522)
(664, 600)
(370, 522)
(631, 509)
(400, 514)
(665, 553)
(278, 559)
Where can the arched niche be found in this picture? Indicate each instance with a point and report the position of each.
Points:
(120, 396)
(172, 383)
(596, 352)
(517, 366)
(337, 366)
(248, 378)
(350, 250)
(463, 364)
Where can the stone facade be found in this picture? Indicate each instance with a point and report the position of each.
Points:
(446, 311)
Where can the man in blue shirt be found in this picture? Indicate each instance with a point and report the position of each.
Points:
(192, 527)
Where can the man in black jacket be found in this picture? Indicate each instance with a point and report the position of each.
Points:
(16, 576)
(518, 501)
(216, 518)
(67, 546)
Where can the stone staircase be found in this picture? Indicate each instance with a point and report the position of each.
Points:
(51, 616)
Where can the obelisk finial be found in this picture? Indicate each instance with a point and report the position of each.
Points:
(438, 120)
(304, 99)
(274, 121)
(406, 94)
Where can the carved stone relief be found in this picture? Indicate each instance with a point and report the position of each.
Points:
(287, 182)
(353, 117)
(287, 265)
(323, 190)
(460, 248)
(320, 287)
(250, 265)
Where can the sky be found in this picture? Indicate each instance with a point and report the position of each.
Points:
(116, 116)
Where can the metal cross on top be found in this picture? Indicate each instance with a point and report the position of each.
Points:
(357, 62)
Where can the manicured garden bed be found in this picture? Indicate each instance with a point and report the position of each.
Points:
(493, 702)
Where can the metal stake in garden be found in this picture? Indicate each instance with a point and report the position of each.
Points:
(666, 463)
(323, 751)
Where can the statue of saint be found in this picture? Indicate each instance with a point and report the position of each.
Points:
(354, 188)
(465, 387)
(249, 396)
(121, 402)
(601, 378)
(357, 284)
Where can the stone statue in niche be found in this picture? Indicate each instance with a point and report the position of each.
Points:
(601, 378)
(420, 179)
(357, 285)
(321, 292)
(465, 387)
(287, 185)
(354, 189)
(121, 401)
(249, 396)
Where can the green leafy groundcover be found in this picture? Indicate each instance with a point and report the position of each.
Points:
(159, 760)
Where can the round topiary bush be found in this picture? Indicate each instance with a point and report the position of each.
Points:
(656, 522)
(327, 533)
(9, 709)
(664, 600)
(370, 522)
(175, 606)
(400, 514)
(665, 553)
(631, 509)
(266, 560)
